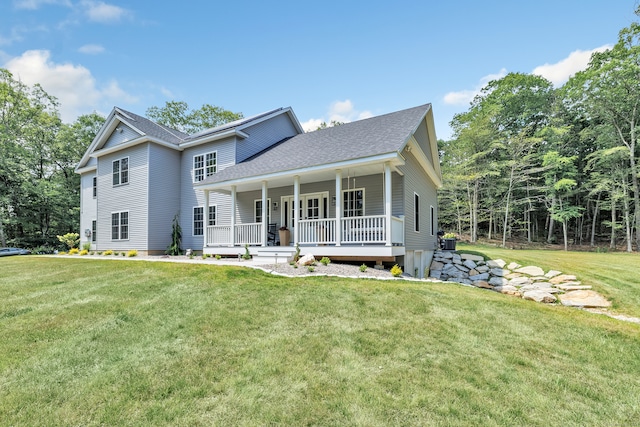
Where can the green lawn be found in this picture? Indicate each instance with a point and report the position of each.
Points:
(98, 342)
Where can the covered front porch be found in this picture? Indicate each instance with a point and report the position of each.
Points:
(336, 216)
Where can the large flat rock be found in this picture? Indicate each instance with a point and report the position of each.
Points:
(584, 298)
(531, 270)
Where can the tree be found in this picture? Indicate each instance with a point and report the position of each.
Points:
(608, 90)
(176, 115)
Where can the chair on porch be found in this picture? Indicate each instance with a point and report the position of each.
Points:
(271, 234)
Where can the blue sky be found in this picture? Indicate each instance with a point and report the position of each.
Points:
(340, 60)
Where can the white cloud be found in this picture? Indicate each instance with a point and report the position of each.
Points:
(91, 49)
(562, 70)
(464, 97)
(167, 93)
(35, 4)
(339, 111)
(74, 85)
(98, 11)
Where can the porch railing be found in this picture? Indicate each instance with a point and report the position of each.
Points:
(356, 230)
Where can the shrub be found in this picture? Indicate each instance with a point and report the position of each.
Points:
(99, 252)
(86, 246)
(73, 251)
(396, 271)
(246, 255)
(132, 253)
(311, 268)
(123, 254)
(108, 252)
(84, 252)
(70, 239)
(363, 268)
(295, 265)
(296, 256)
(176, 238)
(116, 253)
(218, 256)
(62, 253)
(325, 261)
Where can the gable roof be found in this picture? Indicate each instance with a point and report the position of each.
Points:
(150, 128)
(376, 136)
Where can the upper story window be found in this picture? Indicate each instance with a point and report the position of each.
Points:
(95, 187)
(353, 202)
(204, 165)
(121, 171)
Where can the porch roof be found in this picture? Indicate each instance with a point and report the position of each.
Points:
(363, 142)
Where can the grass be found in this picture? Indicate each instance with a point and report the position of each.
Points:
(84, 343)
(613, 274)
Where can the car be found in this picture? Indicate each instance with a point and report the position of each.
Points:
(13, 251)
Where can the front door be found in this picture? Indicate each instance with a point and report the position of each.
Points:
(312, 206)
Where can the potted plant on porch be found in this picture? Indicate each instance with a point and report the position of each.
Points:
(285, 236)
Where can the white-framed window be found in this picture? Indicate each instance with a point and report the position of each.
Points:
(120, 225)
(416, 212)
(198, 219)
(94, 230)
(257, 210)
(353, 202)
(433, 220)
(204, 165)
(95, 187)
(120, 170)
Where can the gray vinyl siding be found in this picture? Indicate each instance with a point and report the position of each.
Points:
(131, 197)
(417, 181)
(263, 135)
(190, 198)
(164, 195)
(88, 205)
(118, 137)
(422, 136)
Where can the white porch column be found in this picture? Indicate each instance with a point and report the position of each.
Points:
(265, 219)
(387, 201)
(233, 215)
(296, 209)
(205, 212)
(338, 206)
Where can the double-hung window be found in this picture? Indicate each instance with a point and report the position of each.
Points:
(416, 212)
(120, 171)
(95, 187)
(119, 225)
(353, 202)
(257, 210)
(94, 230)
(198, 219)
(204, 165)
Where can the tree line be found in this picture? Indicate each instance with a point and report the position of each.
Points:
(530, 162)
(39, 190)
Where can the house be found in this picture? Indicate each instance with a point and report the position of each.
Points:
(365, 191)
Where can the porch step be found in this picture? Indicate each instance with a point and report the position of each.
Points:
(275, 254)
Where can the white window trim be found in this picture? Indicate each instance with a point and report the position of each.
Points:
(120, 239)
(205, 220)
(120, 183)
(255, 202)
(432, 210)
(364, 204)
(416, 208)
(204, 165)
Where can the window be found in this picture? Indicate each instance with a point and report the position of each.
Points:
(198, 219)
(95, 187)
(121, 171)
(204, 165)
(353, 202)
(416, 212)
(120, 226)
(94, 229)
(257, 210)
(433, 220)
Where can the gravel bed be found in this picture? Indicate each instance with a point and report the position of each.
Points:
(333, 269)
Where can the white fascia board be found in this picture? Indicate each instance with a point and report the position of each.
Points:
(133, 143)
(215, 137)
(85, 169)
(424, 162)
(108, 123)
(286, 110)
(394, 158)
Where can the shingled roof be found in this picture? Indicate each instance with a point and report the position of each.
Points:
(351, 141)
(153, 129)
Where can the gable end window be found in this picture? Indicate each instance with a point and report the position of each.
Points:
(198, 219)
(120, 226)
(120, 170)
(204, 165)
(95, 187)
